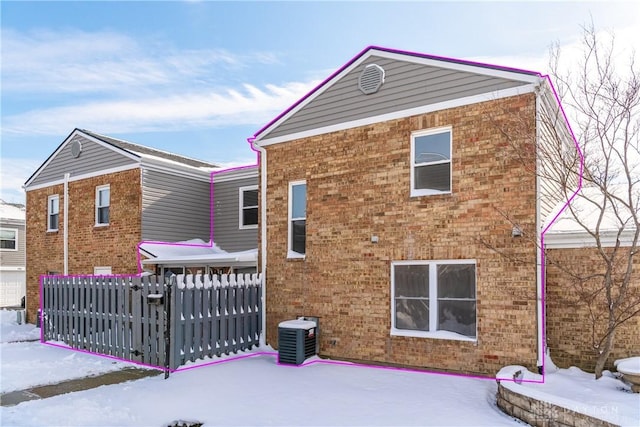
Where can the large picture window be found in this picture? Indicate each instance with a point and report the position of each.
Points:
(434, 296)
(431, 162)
(249, 207)
(297, 218)
(8, 239)
(53, 213)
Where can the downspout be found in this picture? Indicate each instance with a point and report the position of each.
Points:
(540, 342)
(66, 223)
(262, 162)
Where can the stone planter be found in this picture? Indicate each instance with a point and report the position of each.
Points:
(630, 370)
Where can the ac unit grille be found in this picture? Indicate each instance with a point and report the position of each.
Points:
(295, 345)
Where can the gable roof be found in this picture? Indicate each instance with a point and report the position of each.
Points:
(142, 151)
(488, 78)
(130, 155)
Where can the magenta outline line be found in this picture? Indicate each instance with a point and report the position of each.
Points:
(250, 140)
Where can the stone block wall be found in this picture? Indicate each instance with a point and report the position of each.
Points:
(358, 186)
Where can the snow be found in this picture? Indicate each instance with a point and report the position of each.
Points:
(297, 324)
(630, 365)
(9, 211)
(607, 398)
(185, 248)
(10, 330)
(253, 389)
(258, 391)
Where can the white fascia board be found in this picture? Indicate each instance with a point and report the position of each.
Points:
(225, 176)
(459, 102)
(84, 176)
(12, 268)
(65, 143)
(485, 70)
(572, 240)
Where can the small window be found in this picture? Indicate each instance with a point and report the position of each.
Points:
(53, 209)
(431, 162)
(8, 239)
(430, 297)
(103, 200)
(297, 219)
(101, 271)
(249, 207)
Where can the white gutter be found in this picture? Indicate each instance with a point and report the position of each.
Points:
(263, 233)
(66, 223)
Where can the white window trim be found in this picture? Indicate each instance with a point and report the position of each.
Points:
(49, 213)
(415, 192)
(98, 189)
(433, 314)
(15, 231)
(290, 252)
(241, 208)
(102, 271)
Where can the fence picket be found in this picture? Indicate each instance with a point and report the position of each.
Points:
(210, 315)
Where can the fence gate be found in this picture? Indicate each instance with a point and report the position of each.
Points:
(118, 316)
(144, 320)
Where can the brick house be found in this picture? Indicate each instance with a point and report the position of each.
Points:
(96, 198)
(383, 200)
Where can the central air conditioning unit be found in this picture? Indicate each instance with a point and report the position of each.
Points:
(297, 340)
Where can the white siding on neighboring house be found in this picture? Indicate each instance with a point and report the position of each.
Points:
(13, 256)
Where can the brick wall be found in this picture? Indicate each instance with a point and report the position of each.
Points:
(89, 246)
(358, 185)
(569, 333)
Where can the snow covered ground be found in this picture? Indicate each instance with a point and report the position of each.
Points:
(255, 390)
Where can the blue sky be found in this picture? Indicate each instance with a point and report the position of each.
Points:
(198, 77)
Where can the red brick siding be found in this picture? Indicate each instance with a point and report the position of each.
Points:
(358, 184)
(569, 334)
(89, 246)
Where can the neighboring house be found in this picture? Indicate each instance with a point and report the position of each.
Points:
(12, 254)
(570, 250)
(388, 201)
(117, 194)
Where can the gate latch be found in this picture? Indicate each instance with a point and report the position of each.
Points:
(155, 299)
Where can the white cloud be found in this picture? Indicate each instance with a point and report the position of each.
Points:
(14, 174)
(247, 106)
(90, 62)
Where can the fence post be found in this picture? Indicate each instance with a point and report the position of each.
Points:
(168, 324)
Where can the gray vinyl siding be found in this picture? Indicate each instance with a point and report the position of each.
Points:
(93, 158)
(226, 221)
(15, 258)
(554, 142)
(407, 85)
(174, 208)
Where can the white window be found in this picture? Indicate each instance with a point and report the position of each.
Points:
(101, 271)
(8, 239)
(103, 200)
(53, 209)
(249, 207)
(434, 299)
(297, 219)
(431, 162)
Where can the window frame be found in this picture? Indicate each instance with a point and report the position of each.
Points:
(433, 331)
(102, 271)
(15, 239)
(290, 252)
(100, 188)
(241, 208)
(55, 197)
(417, 192)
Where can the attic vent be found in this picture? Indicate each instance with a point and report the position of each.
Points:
(371, 79)
(76, 148)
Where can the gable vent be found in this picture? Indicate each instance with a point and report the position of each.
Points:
(371, 79)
